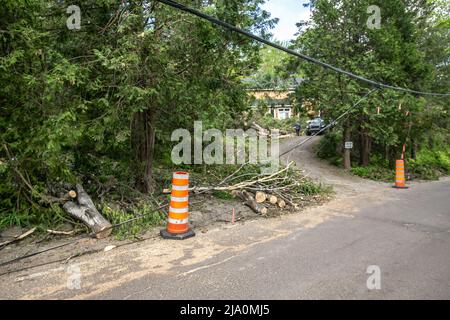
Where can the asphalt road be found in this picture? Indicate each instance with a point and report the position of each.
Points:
(323, 252)
(407, 237)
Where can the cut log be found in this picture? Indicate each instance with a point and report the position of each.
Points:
(288, 201)
(281, 203)
(260, 197)
(84, 209)
(250, 201)
(273, 199)
(72, 194)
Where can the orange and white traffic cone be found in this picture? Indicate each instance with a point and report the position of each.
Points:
(400, 180)
(178, 221)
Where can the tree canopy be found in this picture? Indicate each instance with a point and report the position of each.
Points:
(103, 100)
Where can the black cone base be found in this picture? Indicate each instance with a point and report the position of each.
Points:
(395, 187)
(182, 236)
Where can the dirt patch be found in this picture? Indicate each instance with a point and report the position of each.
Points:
(211, 219)
(207, 213)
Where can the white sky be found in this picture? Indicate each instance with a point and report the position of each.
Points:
(289, 12)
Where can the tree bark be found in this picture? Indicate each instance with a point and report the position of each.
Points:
(366, 146)
(143, 127)
(143, 133)
(85, 210)
(392, 157)
(250, 201)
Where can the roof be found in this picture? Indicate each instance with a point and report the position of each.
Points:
(271, 94)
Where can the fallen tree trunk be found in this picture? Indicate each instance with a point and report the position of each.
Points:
(250, 201)
(85, 210)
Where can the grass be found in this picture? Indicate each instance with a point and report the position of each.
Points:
(377, 173)
(310, 188)
(123, 203)
(223, 195)
(116, 215)
(44, 219)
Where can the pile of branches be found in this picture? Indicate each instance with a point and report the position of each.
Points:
(282, 189)
(263, 132)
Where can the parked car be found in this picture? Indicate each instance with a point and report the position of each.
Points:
(314, 126)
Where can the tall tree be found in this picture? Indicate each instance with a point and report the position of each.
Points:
(103, 100)
(339, 33)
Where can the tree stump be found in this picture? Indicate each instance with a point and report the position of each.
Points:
(84, 209)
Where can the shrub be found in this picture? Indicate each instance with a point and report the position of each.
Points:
(329, 148)
(430, 164)
(374, 173)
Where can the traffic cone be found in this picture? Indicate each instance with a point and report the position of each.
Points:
(178, 221)
(400, 180)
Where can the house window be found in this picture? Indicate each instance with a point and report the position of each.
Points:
(284, 114)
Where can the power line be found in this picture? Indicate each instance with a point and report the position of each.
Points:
(332, 124)
(292, 52)
(85, 236)
(88, 235)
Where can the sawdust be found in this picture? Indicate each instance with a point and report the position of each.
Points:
(107, 270)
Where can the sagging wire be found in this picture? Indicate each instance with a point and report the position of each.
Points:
(332, 123)
(228, 26)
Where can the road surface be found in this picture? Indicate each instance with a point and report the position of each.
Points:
(323, 253)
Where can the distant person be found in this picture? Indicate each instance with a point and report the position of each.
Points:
(298, 128)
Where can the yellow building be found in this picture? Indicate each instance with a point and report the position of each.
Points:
(279, 102)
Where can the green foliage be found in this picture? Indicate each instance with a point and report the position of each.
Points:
(270, 122)
(148, 219)
(330, 146)
(223, 195)
(430, 164)
(270, 74)
(408, 50)
(75, 104)
(374, 173)
(310, 188)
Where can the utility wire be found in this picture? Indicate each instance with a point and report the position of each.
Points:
(226, 25)
(88, 235)
(332, 124)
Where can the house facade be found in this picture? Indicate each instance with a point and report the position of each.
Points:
(279, 102)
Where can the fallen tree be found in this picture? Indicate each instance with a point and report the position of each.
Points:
(250, 201)
(279, 190)
(83, 208)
